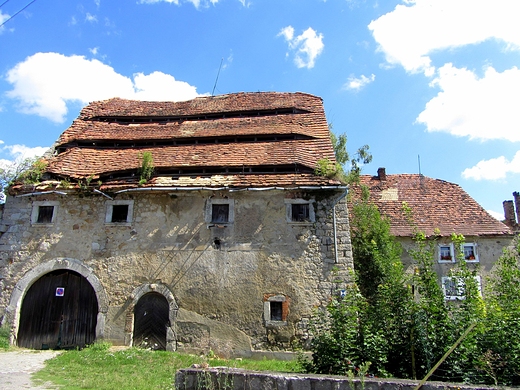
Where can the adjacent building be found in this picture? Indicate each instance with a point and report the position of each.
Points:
(188, 226)
(438, 208)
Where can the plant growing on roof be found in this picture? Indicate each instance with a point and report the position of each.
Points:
(147, 167)
(27, 171)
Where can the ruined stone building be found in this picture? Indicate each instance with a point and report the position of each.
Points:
(438, 208)
(228, 245)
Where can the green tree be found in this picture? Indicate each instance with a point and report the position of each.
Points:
(26, 171)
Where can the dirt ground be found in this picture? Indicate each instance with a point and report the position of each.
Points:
(17, 366)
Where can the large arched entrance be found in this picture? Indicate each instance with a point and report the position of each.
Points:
(151, 319)
(59, 311)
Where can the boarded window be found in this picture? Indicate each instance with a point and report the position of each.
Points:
(45, 214)
(300, 212)
(119, 213)
(220, 213)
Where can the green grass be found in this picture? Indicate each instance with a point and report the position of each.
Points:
(98, 367)
(4, 337)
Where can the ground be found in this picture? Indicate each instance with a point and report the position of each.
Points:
(16, 368)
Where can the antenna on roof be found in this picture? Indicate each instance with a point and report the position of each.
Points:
(218, 73)
(419, 162)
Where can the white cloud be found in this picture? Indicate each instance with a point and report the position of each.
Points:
(91, 18)
(358, 83)
(307, 46)
(414, 30)
(3, 18)
(21, 152)
(495, 214)
(493, 169)
(479, 108)
(45, 83)
(196, 3)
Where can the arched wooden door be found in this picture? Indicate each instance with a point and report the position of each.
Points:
(59, 311)
(151, 318)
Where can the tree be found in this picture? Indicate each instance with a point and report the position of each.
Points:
(27, 171)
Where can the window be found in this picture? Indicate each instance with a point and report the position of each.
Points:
(44, 213)
(446, 253)
(219, 211)
(454, 288)
(276, 309)
(299, 211)
(119, 212)
(470, 252)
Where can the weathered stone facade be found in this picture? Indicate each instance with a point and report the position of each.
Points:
(215, 277)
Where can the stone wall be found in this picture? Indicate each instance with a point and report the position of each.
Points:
(230, 378)
(222, 272)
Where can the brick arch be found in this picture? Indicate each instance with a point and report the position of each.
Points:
(12, 313)
(165, 291)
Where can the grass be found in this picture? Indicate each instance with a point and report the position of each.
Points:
(4, 337)
(99, 367)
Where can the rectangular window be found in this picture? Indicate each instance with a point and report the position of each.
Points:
(276, 311)
(119, 213)
(454, 288)
(300, 212)
(470, 252)
(220, 213)
(45, 214)
(446, 254)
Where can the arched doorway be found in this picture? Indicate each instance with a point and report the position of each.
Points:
(151, 318)
(59, 311)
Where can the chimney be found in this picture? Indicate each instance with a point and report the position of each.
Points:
(381, 174)
(509, 213)
(516, 197)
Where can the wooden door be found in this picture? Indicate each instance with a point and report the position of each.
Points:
(59, 311)
(151, 318)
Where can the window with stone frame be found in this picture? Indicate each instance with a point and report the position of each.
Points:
(276, 309)
(44, 212)
(119, 212)
(219, 211)
(299, 211)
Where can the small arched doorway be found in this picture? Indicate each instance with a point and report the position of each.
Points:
(151, 319)
(59, 311)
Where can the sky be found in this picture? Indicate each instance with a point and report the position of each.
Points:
(432, 86)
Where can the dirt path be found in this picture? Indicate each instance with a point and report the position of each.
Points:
(17, 366)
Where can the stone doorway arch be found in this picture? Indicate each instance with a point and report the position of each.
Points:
(13, 311)
(158, 298)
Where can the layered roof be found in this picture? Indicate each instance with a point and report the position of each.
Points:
(245, 139)
(435, 204)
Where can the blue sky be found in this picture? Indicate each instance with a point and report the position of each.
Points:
(435, 81)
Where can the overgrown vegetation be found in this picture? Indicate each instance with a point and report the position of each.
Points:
(402, 324)
(147, 167)
(4, 337)
(99, 367)
(27, 171)
(345, 169)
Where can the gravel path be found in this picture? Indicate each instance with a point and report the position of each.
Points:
(16, 368)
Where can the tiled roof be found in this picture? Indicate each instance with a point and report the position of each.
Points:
(434, 204)
(281, 133)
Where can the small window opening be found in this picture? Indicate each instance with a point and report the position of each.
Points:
(276, 310)
(119, 213)
(300, 212)
(216, 243)
(45, 214)
(220, 213)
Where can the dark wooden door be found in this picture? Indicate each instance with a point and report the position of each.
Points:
(151, 318)
(59, 311)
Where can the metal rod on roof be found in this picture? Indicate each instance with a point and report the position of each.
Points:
(216, 80)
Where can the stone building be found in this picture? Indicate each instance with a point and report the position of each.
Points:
(228, 245)
(438, 208)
